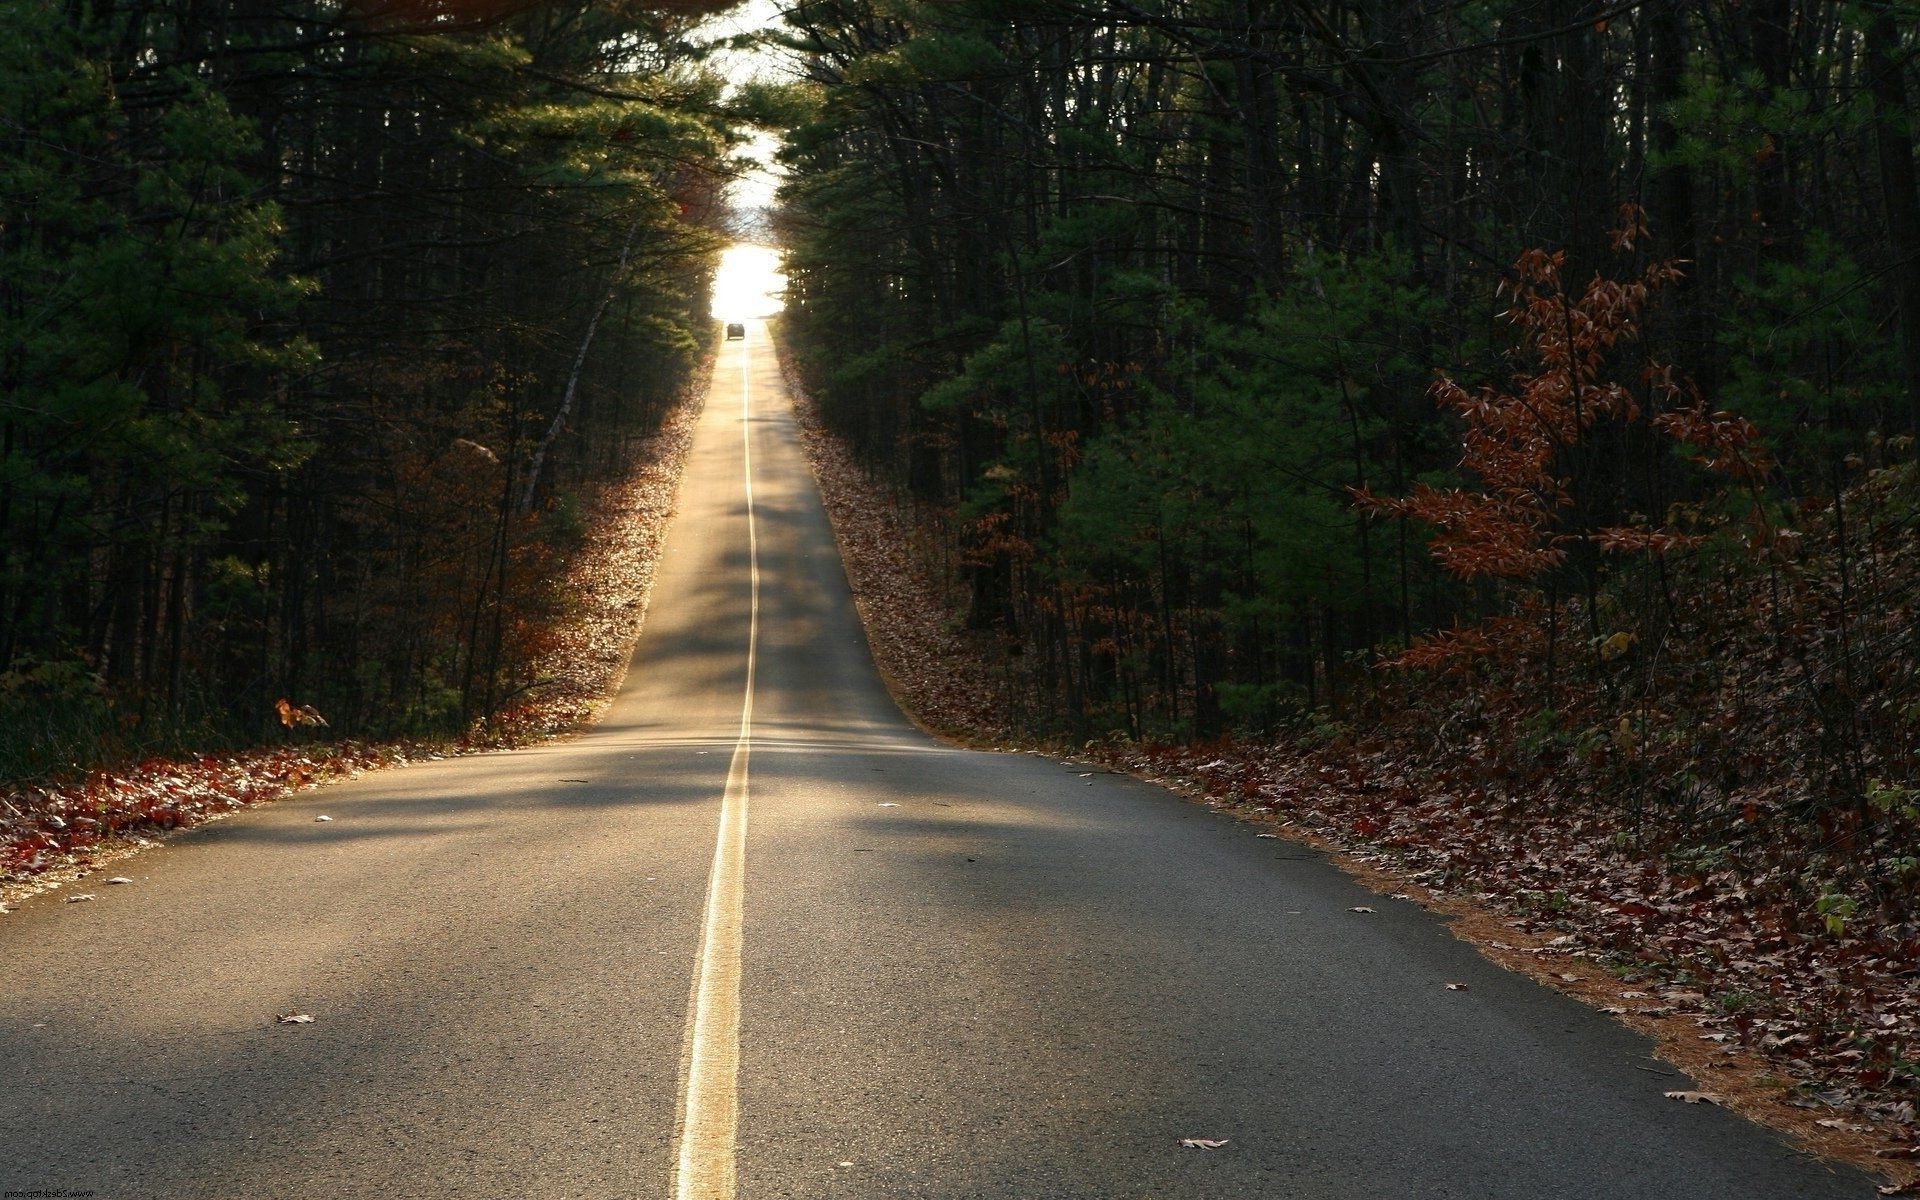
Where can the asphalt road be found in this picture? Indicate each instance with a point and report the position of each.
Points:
(831, 957)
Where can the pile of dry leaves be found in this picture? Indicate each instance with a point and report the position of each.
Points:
(582, 657)
(919, 649)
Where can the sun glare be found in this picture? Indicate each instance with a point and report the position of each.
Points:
(748, 284)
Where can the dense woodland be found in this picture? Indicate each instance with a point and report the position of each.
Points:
(319, 320)
(1563, 354)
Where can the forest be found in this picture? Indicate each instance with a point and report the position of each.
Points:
(1557, 354)
(319, 320)
(1479, 434)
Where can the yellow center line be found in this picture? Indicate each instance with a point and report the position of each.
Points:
(708, 1115)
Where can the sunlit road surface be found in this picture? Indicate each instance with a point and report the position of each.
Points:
(798, 951)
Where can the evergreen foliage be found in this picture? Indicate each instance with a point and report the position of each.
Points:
(1138, 298)
(290, 294)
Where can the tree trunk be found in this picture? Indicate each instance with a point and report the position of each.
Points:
(1893, 135)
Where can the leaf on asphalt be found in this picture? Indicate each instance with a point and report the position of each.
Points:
(1910, 1188)
(888, 804)
(80, 899)
(1266, 835)
(119, 879)
(1360, 908)
(1694, 1097)
(296, 1018)
(1456, 987)
(323, 818)
(1203, 1143)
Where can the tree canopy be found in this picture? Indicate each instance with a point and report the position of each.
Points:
(1141, 296)
(315, 318)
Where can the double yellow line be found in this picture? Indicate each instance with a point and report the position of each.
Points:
(707, 1118)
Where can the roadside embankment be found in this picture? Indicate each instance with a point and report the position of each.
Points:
(57, 831)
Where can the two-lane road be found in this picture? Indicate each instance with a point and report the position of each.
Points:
(755, 933)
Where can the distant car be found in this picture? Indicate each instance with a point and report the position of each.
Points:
(735, 330)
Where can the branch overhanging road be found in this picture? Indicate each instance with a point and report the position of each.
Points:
(580, 970)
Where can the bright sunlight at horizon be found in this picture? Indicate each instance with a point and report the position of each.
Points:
(749, 284)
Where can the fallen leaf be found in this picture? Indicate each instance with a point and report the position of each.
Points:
(1694, 1097)
(1360, 908)
(1456, 987)
(119, 879)
(1203, 1143)
(323, 818)
(81, 898)
(296, 1019)
(888, 804)
(292, 715)
(1617, 645)
(1266, 835)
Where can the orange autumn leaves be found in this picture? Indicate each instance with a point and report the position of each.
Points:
(1518, 439)
(295, 716)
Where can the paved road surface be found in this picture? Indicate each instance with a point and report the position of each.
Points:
(833, 958)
